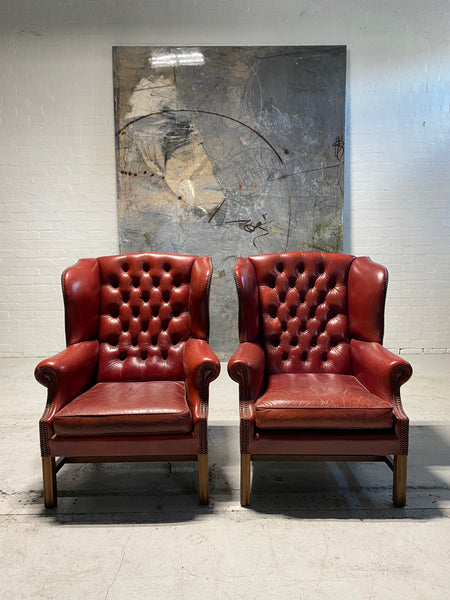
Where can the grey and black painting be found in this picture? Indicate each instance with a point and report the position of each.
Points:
(229, 151)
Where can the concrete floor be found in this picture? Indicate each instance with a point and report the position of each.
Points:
(314, 530)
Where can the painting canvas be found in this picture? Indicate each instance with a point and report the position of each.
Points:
(229, 151)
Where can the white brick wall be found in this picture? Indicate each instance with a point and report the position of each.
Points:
(57, 163)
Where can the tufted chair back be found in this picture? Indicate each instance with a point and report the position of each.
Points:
(142, 308)
(304, 307)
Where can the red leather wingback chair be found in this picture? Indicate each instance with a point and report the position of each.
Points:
(132, 383)
(315, 381)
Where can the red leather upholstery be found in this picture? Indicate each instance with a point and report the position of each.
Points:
(144, 317)
(127, 408)
(320, 401)
(303, 309)
(137, 361)
(313, 375)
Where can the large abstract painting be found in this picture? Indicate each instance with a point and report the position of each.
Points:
(229, 151)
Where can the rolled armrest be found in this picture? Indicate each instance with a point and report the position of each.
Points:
(246, 367)
(378, 369)
(201, 366)
(67, 374)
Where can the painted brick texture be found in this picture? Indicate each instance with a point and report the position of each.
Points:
(57, 160)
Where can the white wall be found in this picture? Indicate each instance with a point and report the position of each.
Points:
(57, 160)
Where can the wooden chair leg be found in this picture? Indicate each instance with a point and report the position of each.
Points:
(400, 467)
(49, 479)
(203, 479)
(245, 479)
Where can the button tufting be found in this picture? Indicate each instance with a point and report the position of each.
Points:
(146, 267)
(136, 311)
(114, 281)
(166, 267)
(125, 326)
(144, 354)
(125, 296)
(155, 340)
(125, 267)
(164, 354)
(136, 280)
(145, 296)
(295, 313)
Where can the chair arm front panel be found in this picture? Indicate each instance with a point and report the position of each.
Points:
(81, 291)
(66, 375)
(383, 373)
(247, 367)
(201, 366)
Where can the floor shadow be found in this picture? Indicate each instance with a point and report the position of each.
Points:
(118, 493)
(358, 490)
(161, 493)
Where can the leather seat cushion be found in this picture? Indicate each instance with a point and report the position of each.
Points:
(131, 407)
(320, 401)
